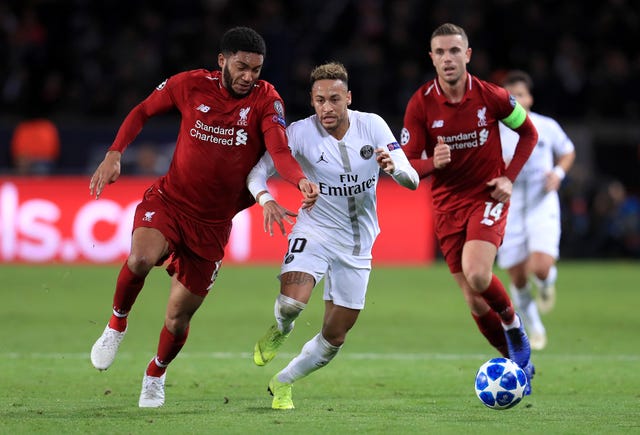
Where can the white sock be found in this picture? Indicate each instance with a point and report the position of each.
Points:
(316, 353)
(521, 297)
(533, 322)
(528, 310)
(513, 325)
(287, 310)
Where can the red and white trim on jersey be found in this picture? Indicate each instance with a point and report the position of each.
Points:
(436, 85)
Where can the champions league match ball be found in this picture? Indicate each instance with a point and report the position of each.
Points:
(500, 383)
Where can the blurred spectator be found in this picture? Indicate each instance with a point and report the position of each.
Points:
(575, 202)
(146, 159)
(628, 224)
(35, 147)
(85, 58)
(616, 225)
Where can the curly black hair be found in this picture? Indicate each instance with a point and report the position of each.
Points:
(242, 39)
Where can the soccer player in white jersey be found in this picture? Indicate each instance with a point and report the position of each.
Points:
(342, 151)
(532, 237)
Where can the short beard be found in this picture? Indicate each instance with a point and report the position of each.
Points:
(226, 82)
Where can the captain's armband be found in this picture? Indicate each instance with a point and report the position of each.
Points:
(517, 117)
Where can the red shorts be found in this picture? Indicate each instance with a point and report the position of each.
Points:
(480, 220)
(196, 248)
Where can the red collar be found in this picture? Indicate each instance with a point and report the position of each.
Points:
(439, 94)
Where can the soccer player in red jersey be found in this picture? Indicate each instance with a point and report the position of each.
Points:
(453, 120)
(229, 119)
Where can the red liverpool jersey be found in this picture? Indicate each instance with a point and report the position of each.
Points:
(469, 127)
(220, 140)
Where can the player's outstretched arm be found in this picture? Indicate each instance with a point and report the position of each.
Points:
(108, 172)
(274, 213)
(258, 176)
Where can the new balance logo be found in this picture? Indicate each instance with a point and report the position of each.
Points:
(203, 108)
(438, 123)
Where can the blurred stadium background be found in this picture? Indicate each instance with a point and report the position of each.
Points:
(82, 65)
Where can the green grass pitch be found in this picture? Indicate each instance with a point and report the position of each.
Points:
(407, 367)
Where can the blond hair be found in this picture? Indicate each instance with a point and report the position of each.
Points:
(330, 71)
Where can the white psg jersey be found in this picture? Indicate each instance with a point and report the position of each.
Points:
(347, 174)
(553, 142)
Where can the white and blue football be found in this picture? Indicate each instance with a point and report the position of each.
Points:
(500, 383)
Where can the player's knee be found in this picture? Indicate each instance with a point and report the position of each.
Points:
(140, 264)
(520, 281)
(541, 273)
(178, 326)
(288, 308)
(541, 269)
(478, 279)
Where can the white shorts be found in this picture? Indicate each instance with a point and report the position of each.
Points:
(532, 226)
(346, 275)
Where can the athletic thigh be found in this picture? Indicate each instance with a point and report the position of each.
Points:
(487, 222)
(346, 276)
(154, 213)
(479, 220)
(347, 280)
(197, 256)
(450, 229)
(305, 254)
(196, 274)
(195, 248)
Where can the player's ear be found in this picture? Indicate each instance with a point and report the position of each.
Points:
(348, 98)
(433, 60)
(221, 60)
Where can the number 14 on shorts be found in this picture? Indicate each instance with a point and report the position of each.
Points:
(492, 213)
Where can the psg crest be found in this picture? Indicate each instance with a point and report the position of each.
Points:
(366, 152)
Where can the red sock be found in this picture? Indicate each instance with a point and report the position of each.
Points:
(168, 348)
(128, 288)
(490, 326)
(498, 299)
(118, 323)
